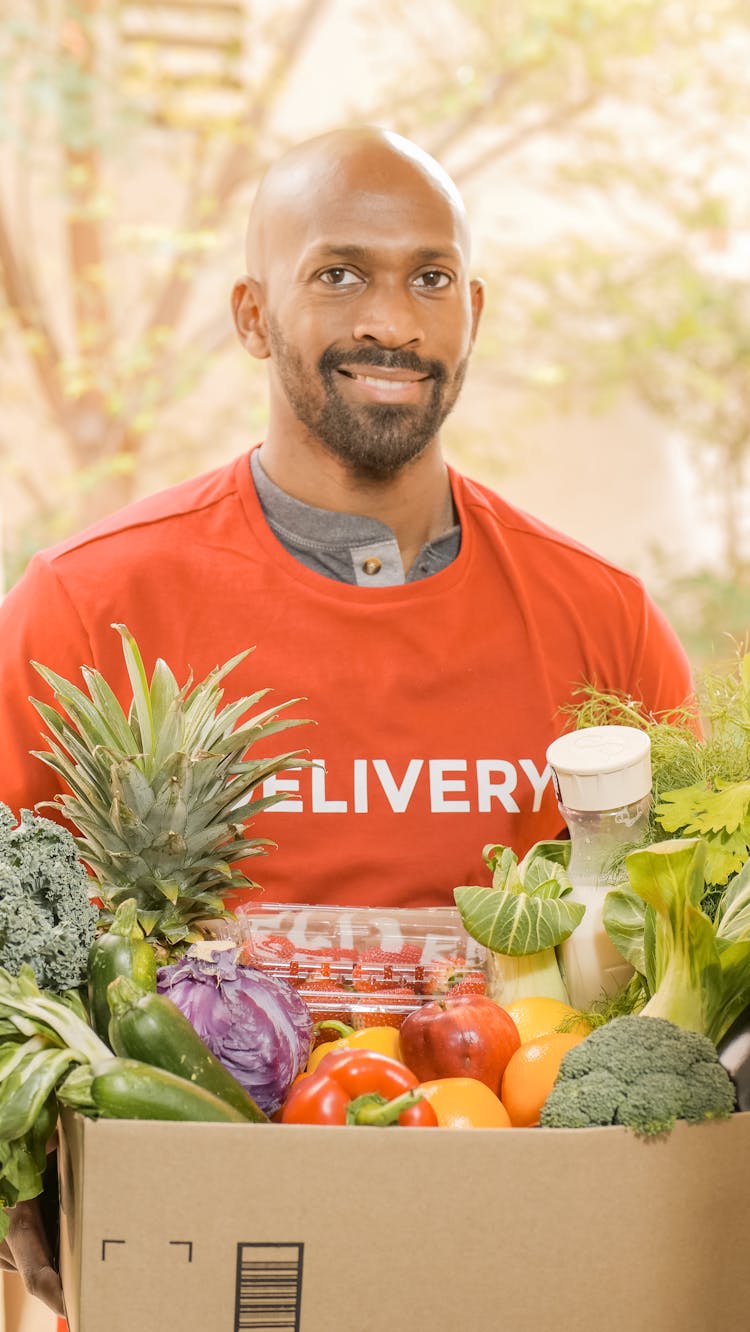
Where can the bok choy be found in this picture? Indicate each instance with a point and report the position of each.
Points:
(696, 970)
(521, 918)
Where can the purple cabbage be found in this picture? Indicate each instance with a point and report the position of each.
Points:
(257, 1025)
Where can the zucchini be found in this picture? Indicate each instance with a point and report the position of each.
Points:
(151, 1028)
(129, 1089)
(121, 951)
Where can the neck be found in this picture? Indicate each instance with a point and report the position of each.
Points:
(415, 502)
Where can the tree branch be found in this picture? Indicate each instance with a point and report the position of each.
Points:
(504, 147)
(240, 163)
(25, 306)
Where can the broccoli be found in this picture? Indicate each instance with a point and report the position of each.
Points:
(46, 917)
(642, 1072)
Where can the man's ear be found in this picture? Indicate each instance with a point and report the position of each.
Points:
(248, 309)
(476, 290)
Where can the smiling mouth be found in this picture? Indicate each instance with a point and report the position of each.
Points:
(391, 382)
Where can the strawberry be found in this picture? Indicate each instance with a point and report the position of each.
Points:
(472, 982)
(445, 972)
(387, 1010)
(325, 997)
(406, 957)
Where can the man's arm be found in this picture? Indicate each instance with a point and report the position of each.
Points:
(661, 674)
(26, 1250)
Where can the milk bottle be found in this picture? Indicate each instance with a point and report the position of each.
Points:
(602, 778)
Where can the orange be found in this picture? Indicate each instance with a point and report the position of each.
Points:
(530, 1074)
(538, 1015)
(464, 1103)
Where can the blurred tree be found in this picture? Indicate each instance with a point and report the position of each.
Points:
(133, 136)
(99, 118)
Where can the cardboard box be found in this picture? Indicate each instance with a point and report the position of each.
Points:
(214, 1228)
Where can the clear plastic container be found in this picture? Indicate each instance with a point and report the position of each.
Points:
(363, 966)
(602, 776)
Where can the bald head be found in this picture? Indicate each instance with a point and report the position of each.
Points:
(357, 294)
(335, 167)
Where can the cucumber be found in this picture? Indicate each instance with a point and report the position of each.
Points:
(151, 1028)
(129, 1089)
(121, 951)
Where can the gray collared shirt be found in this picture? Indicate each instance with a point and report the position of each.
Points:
(347, 547)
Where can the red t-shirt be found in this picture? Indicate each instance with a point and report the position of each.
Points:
(433, 702)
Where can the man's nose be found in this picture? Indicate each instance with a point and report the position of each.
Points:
(389, 316)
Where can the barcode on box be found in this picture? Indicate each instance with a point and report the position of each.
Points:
(269, 1287)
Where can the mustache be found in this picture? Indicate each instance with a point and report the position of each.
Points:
(398, 359)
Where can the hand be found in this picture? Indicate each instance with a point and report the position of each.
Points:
(26, 1251)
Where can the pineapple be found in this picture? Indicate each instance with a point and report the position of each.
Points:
(160, 796)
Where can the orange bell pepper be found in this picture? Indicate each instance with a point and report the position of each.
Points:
(465, 1103)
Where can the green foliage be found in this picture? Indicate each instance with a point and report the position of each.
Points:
(46, 918)
(721, 815)
(696, 970)
(41, 1036)
(700, 782)
(644, 1073)
(520, 919)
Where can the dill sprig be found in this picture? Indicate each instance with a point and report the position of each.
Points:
(704, 744)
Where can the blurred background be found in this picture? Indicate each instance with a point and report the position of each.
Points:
(602, 147)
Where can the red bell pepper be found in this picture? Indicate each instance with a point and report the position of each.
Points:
(466, 1037)
(358, 1087)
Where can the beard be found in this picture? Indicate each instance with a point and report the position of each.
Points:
(374, 440)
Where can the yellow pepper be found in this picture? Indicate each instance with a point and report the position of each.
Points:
(383, 1039)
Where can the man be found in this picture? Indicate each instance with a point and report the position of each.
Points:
(434, 632)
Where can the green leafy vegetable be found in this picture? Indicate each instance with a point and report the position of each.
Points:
(696, 970)
(42, 1036)
(521, 918)
(642, 1072)
(46, 917)
(721, 816)
(700, 781)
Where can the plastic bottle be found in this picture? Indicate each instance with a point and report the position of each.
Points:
(602, 779)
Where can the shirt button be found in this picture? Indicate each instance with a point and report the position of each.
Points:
(372, 565)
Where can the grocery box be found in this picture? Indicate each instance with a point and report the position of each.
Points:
(362, 966)
(227, 1228)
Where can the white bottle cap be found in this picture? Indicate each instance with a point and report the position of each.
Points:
(601, 767)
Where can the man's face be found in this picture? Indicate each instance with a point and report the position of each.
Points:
(370, 318)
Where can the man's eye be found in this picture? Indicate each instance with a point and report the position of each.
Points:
(339, 277)
(434, 278)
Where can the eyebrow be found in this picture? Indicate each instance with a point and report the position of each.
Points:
(424, 255)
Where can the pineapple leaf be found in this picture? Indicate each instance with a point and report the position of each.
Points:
(132, 788)
(80, 756)
(87, 720)
(168, 888)
(141, 693)
(147, 920)
(219, 672)
(165, 696)
(133, 833)
(107, 705)
(82, 779)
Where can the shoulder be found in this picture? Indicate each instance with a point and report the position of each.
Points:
(534, 543)
(157, 518)
(592, 610)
